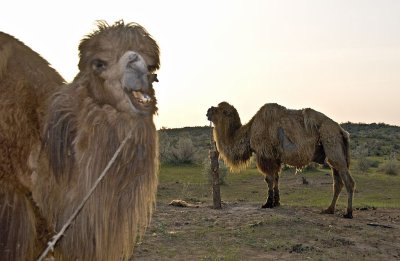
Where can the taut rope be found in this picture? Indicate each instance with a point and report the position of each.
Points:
(55, 239)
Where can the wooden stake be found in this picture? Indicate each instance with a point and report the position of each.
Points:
(214, 155)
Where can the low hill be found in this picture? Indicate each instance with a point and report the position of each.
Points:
(373, 139)
(193, 143)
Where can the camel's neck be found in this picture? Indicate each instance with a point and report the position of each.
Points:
(233, 143)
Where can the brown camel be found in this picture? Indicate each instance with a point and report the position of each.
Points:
(57, 139)
(278, 135)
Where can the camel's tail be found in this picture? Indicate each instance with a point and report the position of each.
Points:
(346, 143)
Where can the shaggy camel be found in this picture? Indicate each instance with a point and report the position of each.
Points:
(278, 135)
(57, 139)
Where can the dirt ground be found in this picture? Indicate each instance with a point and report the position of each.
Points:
(244, 231)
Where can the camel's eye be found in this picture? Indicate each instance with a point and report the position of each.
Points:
(99, 65)
(151, 68)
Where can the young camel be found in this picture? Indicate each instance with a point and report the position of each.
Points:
(278, 135)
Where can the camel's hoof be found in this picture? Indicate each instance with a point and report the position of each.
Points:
(328, 211)
(277, 204)
(267, 205)
(348, 215)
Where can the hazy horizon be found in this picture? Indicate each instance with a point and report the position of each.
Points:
(208, 125)
(339, 57)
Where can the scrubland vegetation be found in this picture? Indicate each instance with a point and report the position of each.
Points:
(374, 147)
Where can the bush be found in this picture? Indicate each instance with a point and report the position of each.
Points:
(363, 164)
(391, 167)
(165, 147)
(361, 153)
(176, 150)
(207, 173)
(184, 152)
(374, 163)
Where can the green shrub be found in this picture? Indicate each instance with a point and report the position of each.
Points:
(177, 150)
(391, 167)
(374, 163)
(363, 164)
(184, 152)
(165, 147)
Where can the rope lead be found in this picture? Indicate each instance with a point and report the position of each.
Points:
(52, 243)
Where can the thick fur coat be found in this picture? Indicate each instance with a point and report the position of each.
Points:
(276, 136)
(74, 130)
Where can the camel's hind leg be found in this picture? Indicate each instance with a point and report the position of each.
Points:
(350, 185)
(337, 188)
(348, 181)
(338, 162)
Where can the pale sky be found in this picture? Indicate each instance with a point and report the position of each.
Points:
(340, 57)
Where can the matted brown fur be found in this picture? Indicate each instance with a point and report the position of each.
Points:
(26, 81)
(78, 132)
(278, 135)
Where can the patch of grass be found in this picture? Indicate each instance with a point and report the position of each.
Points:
(161, 229)
(182, 182)
(181, 173)
(218, 254)
(188, 183)
(377, 190)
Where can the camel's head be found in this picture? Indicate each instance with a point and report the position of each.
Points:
(223, 113)
(119, 61)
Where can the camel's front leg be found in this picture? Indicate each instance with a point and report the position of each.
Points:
(271, 169)
(276, 190)
(270, 200)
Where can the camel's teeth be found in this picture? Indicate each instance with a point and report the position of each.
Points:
(141, 98)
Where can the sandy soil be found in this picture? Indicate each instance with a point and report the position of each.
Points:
(243, 231)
